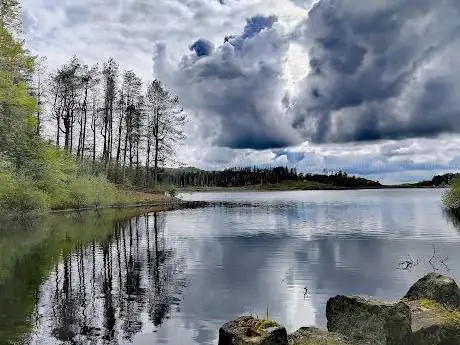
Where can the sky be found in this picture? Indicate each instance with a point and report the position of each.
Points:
(369, 87)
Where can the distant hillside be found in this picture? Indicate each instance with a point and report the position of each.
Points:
(281, 178)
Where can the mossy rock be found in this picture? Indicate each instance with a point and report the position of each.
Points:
(435, 287)
(248, 330)
(434, 323)
(369, 321)
(315, 336)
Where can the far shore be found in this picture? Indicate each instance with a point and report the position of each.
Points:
(284, 188)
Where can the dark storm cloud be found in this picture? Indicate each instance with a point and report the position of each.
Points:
(379, 70)
(256, 24)
(202, 47)
(237, 90)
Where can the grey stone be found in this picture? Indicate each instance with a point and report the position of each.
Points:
(369, 321)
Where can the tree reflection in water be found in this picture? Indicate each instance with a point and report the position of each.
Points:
(111, 290)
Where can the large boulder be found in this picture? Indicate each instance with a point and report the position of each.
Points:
(436, 287)
(369, 321)
(434, 323)
(247, 330)
(315, 336)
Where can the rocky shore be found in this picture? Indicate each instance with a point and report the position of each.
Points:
(429, 314)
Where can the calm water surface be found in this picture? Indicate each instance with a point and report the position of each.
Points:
(175, 277)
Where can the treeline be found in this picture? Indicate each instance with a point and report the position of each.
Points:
(438, 181)
(106, 125)
(252, 176)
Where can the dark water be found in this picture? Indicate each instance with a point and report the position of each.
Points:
(175, 277)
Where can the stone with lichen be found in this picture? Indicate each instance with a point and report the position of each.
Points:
(434, 323)
(315, 336)
(248, 330)
(435, 287)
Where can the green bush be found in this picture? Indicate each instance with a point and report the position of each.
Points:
(451, 198)
(25, 199)
(87, 191)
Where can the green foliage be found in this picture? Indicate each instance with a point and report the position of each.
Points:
(26, 200)
(172, 191)
(87, 191)
(451, 198)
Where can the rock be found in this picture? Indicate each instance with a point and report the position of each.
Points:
(369, 321)
(247, 330)
(435, 287)
(315, 336)
(434, 323)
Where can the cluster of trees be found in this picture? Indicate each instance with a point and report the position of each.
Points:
(241, 177)
(105, 115)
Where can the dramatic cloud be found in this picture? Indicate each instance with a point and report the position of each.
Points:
(376, 70)
(379, 70)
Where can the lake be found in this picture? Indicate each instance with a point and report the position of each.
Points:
(176, 277)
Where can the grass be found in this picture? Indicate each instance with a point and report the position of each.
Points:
(257, 327)
(449, 316)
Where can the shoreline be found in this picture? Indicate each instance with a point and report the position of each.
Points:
(177, 204)
(280, 189)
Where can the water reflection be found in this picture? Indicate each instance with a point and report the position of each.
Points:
(112, 290)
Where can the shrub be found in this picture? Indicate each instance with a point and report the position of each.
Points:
(25, 199)
(451, 198)
(172, 191)
(87, 191)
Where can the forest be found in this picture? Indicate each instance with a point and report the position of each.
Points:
(107, 126)
(282, 177)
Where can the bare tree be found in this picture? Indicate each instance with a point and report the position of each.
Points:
(165, 126)
(38, 90)
(94, 118)
(131, 91)
(66, 86)
(89, 80)
(110, 75)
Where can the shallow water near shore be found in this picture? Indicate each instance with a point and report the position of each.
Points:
(176, 277)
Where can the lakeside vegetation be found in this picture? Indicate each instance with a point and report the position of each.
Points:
(451, 198)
